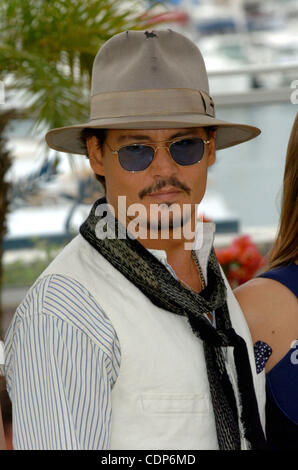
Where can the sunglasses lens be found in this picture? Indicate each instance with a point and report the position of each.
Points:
(135, 157)
(187, 151)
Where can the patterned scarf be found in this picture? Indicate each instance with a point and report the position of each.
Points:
(141, 268)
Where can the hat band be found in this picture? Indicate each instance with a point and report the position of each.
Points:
(119, 104)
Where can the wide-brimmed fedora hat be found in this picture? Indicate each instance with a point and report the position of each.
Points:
(150, 80)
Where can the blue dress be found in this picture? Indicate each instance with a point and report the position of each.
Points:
(282, 379)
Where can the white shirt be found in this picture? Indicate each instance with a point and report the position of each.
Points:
(58, 378)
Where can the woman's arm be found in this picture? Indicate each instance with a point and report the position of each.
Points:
(271, 311)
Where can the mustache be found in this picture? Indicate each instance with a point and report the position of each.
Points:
(172, 181)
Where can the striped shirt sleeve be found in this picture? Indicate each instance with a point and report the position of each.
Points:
(62, 360)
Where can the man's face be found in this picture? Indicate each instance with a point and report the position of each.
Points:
(164, 182)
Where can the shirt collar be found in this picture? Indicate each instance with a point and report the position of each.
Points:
(202, 245)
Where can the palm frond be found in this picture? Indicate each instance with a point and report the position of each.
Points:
(49, 47)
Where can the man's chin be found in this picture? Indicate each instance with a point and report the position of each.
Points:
(171, 227)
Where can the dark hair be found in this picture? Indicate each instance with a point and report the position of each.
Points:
(101, 136)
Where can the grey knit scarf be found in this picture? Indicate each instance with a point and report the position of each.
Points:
(141, 268)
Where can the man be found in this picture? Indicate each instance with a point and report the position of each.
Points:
(131, 338)
(2, 435)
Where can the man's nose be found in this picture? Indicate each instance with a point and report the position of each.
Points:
(163, 163)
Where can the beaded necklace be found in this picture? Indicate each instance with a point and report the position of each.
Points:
(202, 280)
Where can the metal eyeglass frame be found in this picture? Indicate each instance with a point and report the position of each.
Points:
(155, 146)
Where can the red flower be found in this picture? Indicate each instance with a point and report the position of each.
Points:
(240, 260)
(226, 255)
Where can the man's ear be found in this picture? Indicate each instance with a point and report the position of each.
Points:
(95, 155)
(212, 148)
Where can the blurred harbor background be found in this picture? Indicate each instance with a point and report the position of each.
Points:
(251, 54)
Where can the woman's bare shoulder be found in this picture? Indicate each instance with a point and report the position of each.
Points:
(269, 307)
(263, 294)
